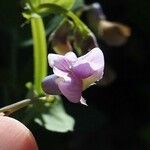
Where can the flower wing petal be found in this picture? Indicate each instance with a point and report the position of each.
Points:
(49, 85)
(83, 70)
(71, 89)
(61, 73)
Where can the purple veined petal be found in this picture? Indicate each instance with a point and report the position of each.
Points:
(94, 58)
(49, 85)
(52, 58)
(71, 89)
(59, 62)
(71, 56)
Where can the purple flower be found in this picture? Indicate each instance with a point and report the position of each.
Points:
(72, 75)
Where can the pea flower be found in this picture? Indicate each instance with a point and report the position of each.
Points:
(72, 75)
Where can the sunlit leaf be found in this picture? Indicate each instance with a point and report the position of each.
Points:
(54, 118)
(78, 4)
(48, 8)
(67, 4)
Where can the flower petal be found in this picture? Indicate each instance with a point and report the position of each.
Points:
(83, 101)
(52, 58)
(83, 70)
(62, 64)
(71, 56)
(94, 58)
(71, 89)
(49, 85)
(90, 80)
(59, 62)
(61, 73)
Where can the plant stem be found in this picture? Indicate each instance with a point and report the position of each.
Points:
(79, 24)
(7, 110)
(40, 51)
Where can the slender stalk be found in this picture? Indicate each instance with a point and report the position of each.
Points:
(79, 24)
(7, 110)
(40, 51)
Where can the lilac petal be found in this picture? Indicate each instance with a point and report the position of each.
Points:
(86, 65)
(83, 70)
(52, 58)
(62, 74)
(71, 56)
(71, 89)
(49, 85)
(62, 62)
(59, 62)
(61, 66)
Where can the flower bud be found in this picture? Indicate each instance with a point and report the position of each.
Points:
(113, 33)
(84, 43)
(60, 39)
(94, 13)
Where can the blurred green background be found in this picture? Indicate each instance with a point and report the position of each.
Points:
(118, 115)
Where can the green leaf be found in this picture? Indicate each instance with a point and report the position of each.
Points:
(54, 118)
(47, 8)
(51, 25)
(67, 4)
(78, 4)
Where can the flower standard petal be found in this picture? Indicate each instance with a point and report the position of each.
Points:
(67, 59)
(52, 58)
(71, 89)
(71, 56)
(62, 64)
(59, 62)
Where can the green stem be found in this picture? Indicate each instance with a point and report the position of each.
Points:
(7, 110)
(79, 24)
(40, 51)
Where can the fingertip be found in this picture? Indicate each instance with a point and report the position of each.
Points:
(15, 136)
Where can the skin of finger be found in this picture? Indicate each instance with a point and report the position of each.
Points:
(15, 136)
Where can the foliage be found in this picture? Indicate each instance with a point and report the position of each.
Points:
(118, 113)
